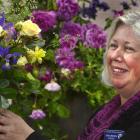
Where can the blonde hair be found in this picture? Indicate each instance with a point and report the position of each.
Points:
(133, 19)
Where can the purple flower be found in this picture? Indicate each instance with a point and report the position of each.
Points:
(44, 19)
(47, 76)
(73, 29)
(37, 114)
(28, 67)
(118, 13)
(67, 9)
(64, 54)
(68, 41)
(134, 2)
(65, 58)
(93, 36)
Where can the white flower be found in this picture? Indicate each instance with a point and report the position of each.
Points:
(52, 86)
(1, 29)
(65, 71)
(22, 61)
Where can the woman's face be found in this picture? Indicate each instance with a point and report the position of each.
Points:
(123, 59)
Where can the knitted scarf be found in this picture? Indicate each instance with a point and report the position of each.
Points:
(108, 115)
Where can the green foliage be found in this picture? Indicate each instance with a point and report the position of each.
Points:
(26, 89)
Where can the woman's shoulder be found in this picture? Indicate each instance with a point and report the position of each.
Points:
(36, 136)
(129, 117)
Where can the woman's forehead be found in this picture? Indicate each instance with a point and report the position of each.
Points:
(125, 32)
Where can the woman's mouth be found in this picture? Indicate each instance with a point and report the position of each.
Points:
(118, 70)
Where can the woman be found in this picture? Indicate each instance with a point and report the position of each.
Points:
(13, 127)
(122, 71)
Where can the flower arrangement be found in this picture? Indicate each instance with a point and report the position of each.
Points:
(48, 56)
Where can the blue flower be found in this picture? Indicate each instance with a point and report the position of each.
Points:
(104, 6)
(4, 51)
(5, 26)
(125, 5)
(92, 10)
(8, 58)
(134, 3)
(8, 27)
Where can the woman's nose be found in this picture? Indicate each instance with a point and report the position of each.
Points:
(118, 54)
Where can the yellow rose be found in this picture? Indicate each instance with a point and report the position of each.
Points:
(29, 28)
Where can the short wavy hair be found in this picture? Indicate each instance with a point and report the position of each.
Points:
(132, 19)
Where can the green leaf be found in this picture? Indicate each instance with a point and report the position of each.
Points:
(50, 55)
(30, 77)
(4, 83)
(108, 23)
(4, 102)
(20, 50)
(36, 84)
(62, 111)
(8, 92)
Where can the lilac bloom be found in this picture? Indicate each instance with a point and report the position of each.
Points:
(67, 9)
(44, 19)
(93, 36)
(65, 58)
(71, 28)
(68, 41)
(37, 114)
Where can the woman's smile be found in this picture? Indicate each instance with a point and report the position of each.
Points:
(118, 71)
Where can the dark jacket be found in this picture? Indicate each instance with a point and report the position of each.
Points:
(130, 123)
(36, 136)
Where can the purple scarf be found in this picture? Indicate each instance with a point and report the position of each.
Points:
(109, 114)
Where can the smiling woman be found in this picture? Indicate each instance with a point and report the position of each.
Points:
(122, 55)
(120, 116)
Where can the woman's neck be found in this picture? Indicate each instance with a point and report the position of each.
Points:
(125, 95)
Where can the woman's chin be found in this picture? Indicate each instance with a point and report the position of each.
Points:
(118, 84)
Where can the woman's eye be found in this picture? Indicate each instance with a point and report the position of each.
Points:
(129, 49)
(112, 46)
